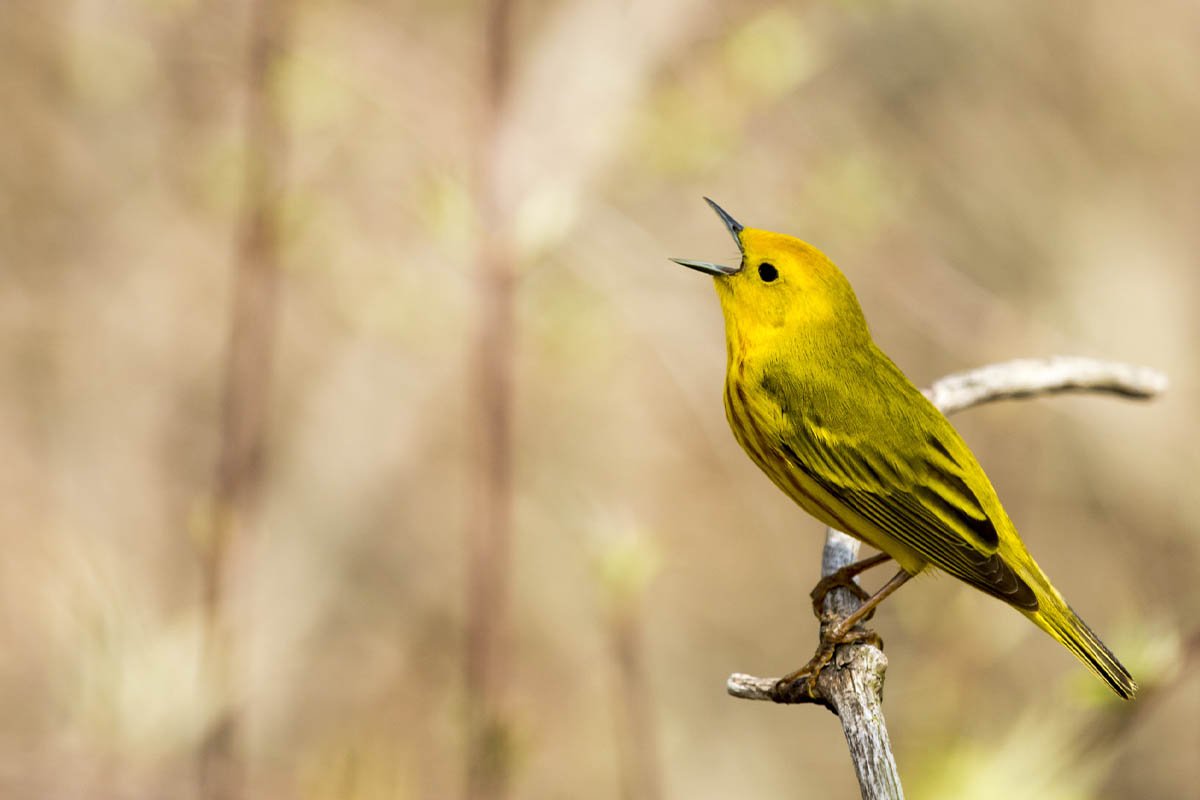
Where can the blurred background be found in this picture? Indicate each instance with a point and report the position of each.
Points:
(359, 441)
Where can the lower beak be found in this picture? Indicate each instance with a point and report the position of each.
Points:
(735, 230)
(707, 267)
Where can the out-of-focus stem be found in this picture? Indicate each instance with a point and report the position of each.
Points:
(638, 745)
(489, 540)
(626, 566)
(247, 382)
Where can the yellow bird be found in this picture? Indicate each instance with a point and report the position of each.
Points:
(843, 432)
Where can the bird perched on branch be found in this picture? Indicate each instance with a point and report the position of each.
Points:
(843, 432)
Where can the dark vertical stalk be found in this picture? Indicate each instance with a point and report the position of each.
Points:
(44, 235)
(489, 539)
(637, 739)
(247, 383)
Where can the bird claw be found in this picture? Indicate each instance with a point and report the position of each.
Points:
(809, 673)
(804, 680)
(861, 636)
(843, 578)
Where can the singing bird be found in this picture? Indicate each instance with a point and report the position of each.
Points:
(844, 433)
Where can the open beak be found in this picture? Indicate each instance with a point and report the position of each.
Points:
(735, 230)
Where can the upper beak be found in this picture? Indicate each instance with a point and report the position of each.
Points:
(735, 230)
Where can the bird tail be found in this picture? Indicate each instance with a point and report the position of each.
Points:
(1059, 620)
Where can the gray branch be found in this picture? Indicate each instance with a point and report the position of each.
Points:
(1030, 377)
(851, 686)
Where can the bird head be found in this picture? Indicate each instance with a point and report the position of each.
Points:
(781, 282)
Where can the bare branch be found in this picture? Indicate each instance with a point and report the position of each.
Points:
(1030, 377)
(852, 684)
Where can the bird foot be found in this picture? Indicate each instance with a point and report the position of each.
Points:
(843, 578)
(804, 680)
(790, 684)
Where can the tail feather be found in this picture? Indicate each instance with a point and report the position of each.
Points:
(1060, 621)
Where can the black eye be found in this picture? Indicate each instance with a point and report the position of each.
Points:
(767, 272)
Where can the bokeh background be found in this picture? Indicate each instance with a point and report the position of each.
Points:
(997, 180)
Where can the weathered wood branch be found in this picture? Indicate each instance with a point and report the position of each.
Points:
(851, 686)
(1030, 377)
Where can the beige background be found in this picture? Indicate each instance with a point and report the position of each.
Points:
(997, 180)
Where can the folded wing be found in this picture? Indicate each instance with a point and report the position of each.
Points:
(920, 496)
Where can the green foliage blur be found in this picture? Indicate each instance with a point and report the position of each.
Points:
(996, 179)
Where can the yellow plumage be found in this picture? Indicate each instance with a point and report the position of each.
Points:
(840, 429)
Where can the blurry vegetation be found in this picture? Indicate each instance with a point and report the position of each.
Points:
(997, 180)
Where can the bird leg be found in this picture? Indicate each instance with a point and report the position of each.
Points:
(844, 578)
(843, 628)
(842, 633)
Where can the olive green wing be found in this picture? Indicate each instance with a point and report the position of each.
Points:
(916, 488)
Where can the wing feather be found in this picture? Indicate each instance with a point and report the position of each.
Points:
(925, 503)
